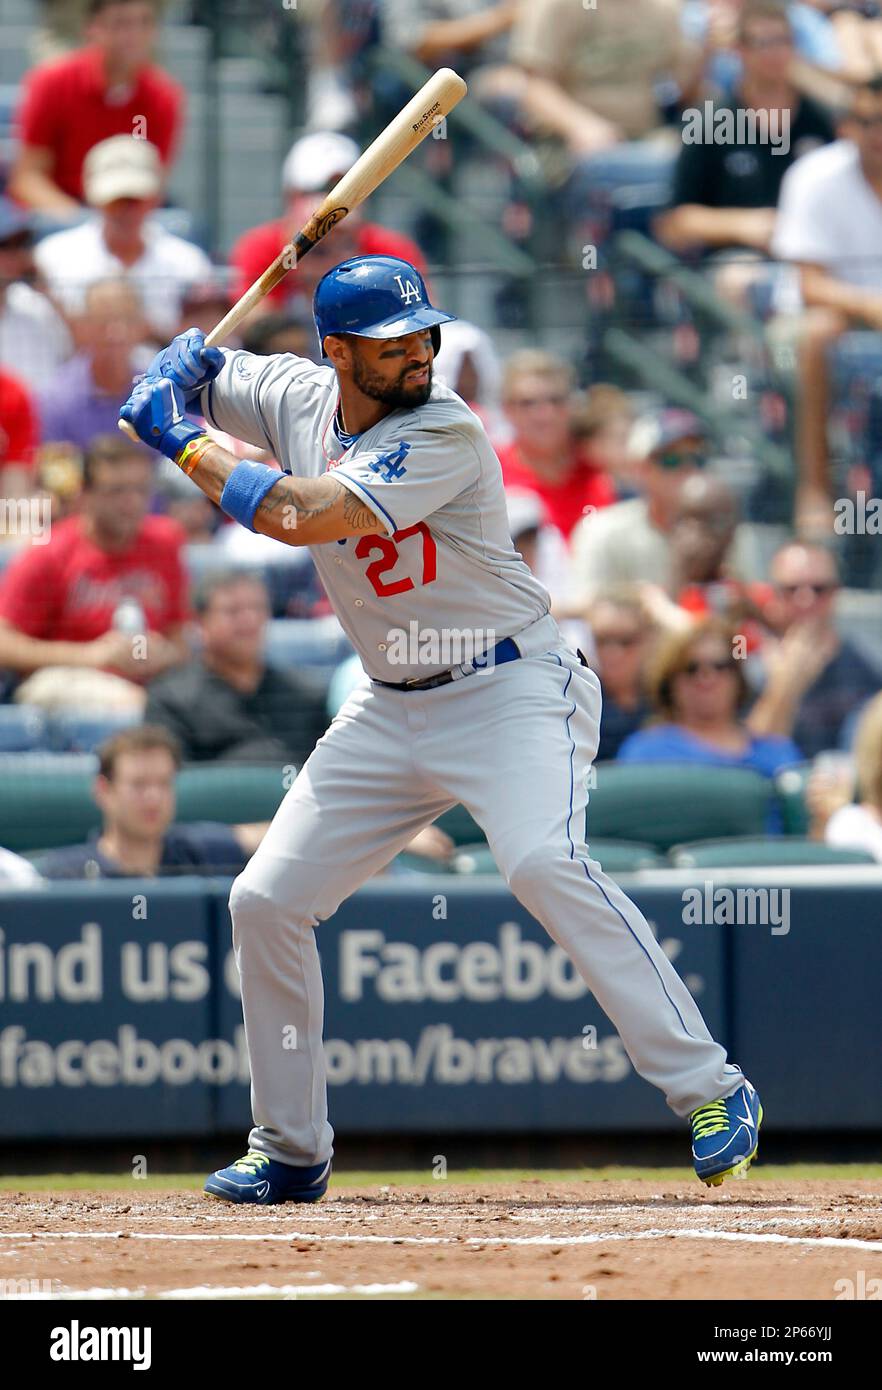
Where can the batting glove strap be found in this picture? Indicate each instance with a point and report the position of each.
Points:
(187, 362)
(246, 488)
(155, 409)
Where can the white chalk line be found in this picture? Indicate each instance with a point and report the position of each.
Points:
(206, 1291)
(588, 1238)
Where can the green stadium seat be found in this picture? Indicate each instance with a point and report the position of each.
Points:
(616, 856)
(665, 804)
(230, 792)
(746, 852)
(46, 800)
(419, 864)
(460, 825)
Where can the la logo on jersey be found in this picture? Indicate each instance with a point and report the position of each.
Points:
(408, 290)
(391, 466)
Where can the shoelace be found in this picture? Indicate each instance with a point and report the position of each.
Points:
(250, 1163)
(710, 1119)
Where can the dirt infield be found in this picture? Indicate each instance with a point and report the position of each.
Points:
(530, 1239)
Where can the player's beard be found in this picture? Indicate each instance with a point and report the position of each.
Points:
(394, 393)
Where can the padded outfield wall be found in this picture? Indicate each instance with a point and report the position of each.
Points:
(448, 1009)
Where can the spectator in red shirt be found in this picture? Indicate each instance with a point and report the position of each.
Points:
(19, 434)
(62, 603)
(545, 456)
(108, 87)
(315, 163)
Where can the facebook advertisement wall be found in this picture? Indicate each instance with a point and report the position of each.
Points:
(447, 1008)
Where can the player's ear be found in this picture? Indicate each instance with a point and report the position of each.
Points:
(338, 350)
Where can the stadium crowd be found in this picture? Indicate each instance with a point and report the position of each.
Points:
(142, 623)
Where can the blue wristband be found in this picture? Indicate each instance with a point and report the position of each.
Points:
(246, 488)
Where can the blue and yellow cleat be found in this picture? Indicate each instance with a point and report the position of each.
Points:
(725, 1135)
(264, 1181)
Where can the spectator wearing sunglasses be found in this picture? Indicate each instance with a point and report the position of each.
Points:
(622, 639)
(699, 691)
(546, 456)
(630, 542)
(814, 679)
(725, 193)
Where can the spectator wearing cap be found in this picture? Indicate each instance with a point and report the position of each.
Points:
(82, 399)
(544, 455)
(67, 608)
(34, 339)
(230, 704)
(108, 87)
(122, 240)
(314, 164)
(630, 542)
(813, 679)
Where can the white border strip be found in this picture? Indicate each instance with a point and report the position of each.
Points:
(591, 1238)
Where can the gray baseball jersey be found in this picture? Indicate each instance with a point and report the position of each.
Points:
(511, 748)
(432, 478)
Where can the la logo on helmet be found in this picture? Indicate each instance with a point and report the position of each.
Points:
(408, 290)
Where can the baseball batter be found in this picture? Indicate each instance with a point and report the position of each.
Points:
(473, 697)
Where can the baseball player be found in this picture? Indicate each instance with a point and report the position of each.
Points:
(473, 697)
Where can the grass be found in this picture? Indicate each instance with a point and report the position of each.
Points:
(164, 1182)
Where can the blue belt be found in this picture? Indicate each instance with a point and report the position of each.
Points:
(504, 651)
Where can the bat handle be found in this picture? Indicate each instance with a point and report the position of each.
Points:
(126, 428)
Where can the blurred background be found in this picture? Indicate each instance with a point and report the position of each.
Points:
(660, 225)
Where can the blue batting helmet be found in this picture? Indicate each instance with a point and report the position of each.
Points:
(375, 297)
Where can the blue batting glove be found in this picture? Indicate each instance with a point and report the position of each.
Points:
(156, 411)
(187, 362)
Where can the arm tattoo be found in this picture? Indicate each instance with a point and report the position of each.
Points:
(288, 496)
(360, 517)
(287, 505)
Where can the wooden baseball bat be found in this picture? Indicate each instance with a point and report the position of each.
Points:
(435, 100)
